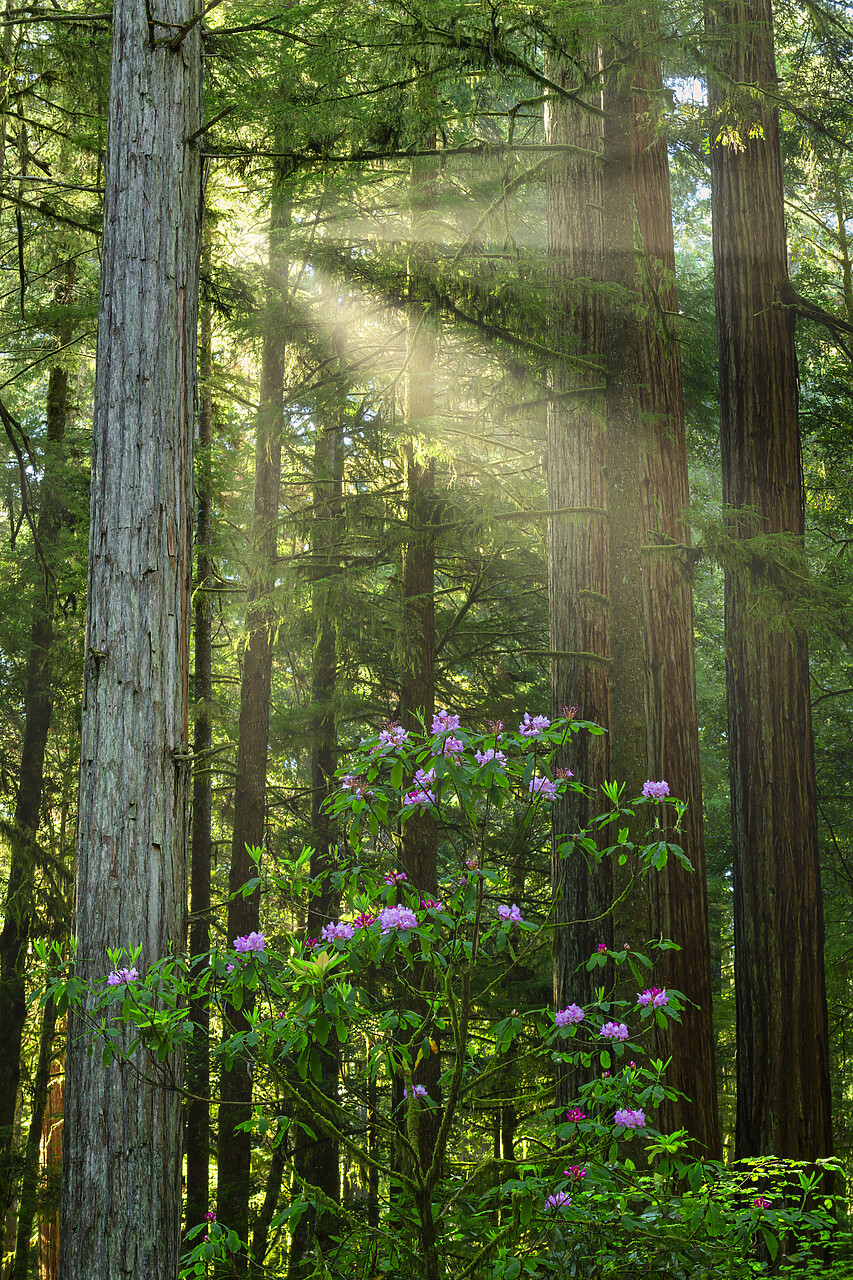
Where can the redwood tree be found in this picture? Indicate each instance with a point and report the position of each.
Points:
(783, 1095)
(122, 1144)
(578, 565)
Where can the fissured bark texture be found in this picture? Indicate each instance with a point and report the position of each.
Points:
(122, 1136)
(783, 1097)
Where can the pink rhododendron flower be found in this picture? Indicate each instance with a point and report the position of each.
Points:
(364, 920)
(614, 1031)
(393, 735)
(336, 932)
(569, 1016)
(430, 904)
(542, 787)
(418, 1091)
(655, 790)
(531, 728)
(559, 1200)
(397, 918)
(654, 996)
(418, 796)
(510, 915)
(761, 1202)
(576, 1172)
(630, 1119)
(483, 757)
(250, 942)
(395, 877)
(602, 948)
(118, 976)
(575, 1115)
(444, 722)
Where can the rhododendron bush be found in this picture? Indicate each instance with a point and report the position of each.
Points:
(399, 979)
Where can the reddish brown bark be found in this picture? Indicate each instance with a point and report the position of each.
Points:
(679, 899)
(578, 544)
(783, 1094)
(234, 1152)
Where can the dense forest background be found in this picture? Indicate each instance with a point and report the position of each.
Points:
(383, 384)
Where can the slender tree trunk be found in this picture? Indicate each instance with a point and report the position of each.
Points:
(234, 1158)
(51, 1166)
(198, 1055)
(679, 899)
(122, 1142)
(783, 1094)
(18, 906)
(578, 572)
(417, 673)
(318, 1161)
(29, 1189)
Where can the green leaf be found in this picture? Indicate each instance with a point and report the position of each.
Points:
(771, 1242)
(107, 1055)
(604, 1059)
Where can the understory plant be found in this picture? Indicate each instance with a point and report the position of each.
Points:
(407, 998)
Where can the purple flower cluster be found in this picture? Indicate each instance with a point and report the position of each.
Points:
(397, 918)
(483, 757)
(395, 877)
(510, 915)
(418, 1091)
(614, 1031)
(250, 942)
(337, 931)
(393, 735)
(444, 722)
(559, 1200)
(630, 1119)
(655, 996)
(351, 782)
(118, 976)
(543, 787)
(432, 904)
(531, 728)
(422, 792)
(569, 1016)
(655, 790)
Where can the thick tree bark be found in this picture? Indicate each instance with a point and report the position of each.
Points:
(198, 1056)
(578, 573)
(234, 1155)
(18, 906)
(783, 1095)
(679, 900)
(122, 1142)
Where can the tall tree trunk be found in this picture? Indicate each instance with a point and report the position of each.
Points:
(578, 573)
(122, 1144)
(783, 1094)
(234, 1153)
(198, 1055)
(679, 899)
(318, 1161)
(417, 673)
(18, 906)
